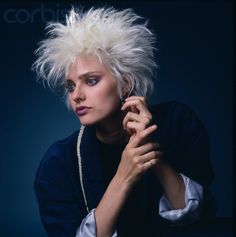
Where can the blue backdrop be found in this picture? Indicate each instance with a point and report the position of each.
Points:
(195, 41)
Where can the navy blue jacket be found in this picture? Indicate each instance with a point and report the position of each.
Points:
(184, 141)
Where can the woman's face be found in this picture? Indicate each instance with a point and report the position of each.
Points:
(92, 91)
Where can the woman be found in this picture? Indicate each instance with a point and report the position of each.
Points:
(131, 169)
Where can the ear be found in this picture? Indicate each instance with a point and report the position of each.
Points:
(127, 86)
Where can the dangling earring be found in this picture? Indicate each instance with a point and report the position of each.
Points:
(123, 100)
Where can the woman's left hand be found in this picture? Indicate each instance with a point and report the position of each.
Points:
(138, 116)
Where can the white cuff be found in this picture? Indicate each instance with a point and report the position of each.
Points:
(191, 211)
(87, 227)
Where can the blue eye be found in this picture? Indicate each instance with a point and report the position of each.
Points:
(70, 86)
(92, 81)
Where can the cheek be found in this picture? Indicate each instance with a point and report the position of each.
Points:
(110, 98)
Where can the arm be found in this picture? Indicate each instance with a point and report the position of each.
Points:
(59, 196)
(136, 160)
(191, 211)
(112, 203)
(137, 119)
(193, 142)
(172, 183)
(62, 211)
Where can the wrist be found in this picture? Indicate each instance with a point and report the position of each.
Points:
(160, 167)
(122, 185)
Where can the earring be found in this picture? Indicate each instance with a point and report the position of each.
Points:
(122, 100)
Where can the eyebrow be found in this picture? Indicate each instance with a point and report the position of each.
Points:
(85, 75)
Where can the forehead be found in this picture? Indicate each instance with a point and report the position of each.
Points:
(85, 64)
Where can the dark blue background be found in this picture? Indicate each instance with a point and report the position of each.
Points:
(195, 41)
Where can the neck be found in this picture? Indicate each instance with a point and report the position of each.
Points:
(112, 132)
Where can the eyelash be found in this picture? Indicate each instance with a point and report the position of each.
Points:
(88, 81)
(70, 86)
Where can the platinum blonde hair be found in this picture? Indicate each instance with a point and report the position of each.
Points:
(123, 44)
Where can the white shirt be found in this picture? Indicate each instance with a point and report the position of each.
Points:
(190, 213)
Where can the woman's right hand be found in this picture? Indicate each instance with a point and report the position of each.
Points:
(137, 157)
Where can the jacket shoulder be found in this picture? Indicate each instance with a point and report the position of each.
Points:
(170, 106)
(57, 157)
(176, 113)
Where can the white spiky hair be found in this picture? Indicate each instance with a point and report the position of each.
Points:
(117, 38)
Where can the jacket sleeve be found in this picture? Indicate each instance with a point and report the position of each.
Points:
(191, 211)
(60, 209)
(88, 226)
(192, 147)
(185, 143)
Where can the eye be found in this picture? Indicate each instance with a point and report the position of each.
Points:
(70, 86)
(91, 81)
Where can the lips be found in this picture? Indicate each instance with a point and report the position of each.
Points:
(83, 110)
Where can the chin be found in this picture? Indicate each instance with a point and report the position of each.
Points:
(92, 121)
(87, 122)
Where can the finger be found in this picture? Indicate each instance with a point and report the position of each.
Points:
(136, 104)
(130, 117)
(134, 109)
(133, 117)
(134, 127)
(150, 164)
(151, 146)
(137, 138)
(138, 108)
(130, 103)
(150, 155)
(136, 98)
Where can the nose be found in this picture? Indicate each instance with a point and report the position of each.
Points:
(78, 94)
